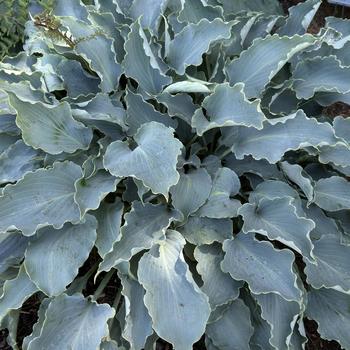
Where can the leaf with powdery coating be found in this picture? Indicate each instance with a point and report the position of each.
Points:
(193, 41)
(234, 329)
(228, 106)
(200, 231)
(296, 174)
(42, 198)
(257, 65)
(276, 138)
(73, 320)
(15, 292)
(320, 74)
(172, 294)
(278, 220)
(333, 265)
(281, 316)
(109, 218)
(140, 112)
(191, 191)
(220, 203)
(50, 128)
(330, 309)
(138, 323)
(333, 193)
(69, 248)
(139, 63)
(153, 161)
(217, 285)
(258, 263)
(144, 226)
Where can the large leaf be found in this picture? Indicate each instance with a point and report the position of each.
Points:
(140, 112)
(140, 64)
(333, 265)
(138, 323)
(109, 218)
(296, 174)
(278, 220)
(179, 300)
(143, 227)
(17, 160)
(153, 161)
(300, 17)
(193, 41)
(73, 322)
(228, 106)
(320, 74)
(15, 292)
(69, 248)
(199, 230)
(233, 330)
(150, 12)
(284, 134)
(92, 189)
(259, 263)
(257, 65)
(281, 316)
(333, 193)
(92, 42)
(220, 203)
(42, 198)
(330, 310)
(50, 128)
(217, 285)
(191, 191)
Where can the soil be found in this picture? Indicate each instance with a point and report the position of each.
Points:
(28, 315)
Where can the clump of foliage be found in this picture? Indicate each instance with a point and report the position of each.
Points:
(181, 148)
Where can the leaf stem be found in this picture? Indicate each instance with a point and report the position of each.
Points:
(225, 153)
(103, 284)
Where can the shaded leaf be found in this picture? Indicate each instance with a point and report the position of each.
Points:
(69, 248)
(188, 46)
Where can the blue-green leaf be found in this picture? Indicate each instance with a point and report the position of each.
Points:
(42, 198)
(284, 134)
(228, 106)
(138, 323)
(233, 330)
(278, 220)
(140, 64)
(259, 263)
(153, 161)
(144, 226)
(257, 65)
(333, 193)
(69, 248)
(330, 310)
(179, 300)
(73, 321)
(217, 285)
(50, 128)
(193, 41)
(191, 191)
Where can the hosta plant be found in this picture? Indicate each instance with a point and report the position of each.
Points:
(176, 153)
